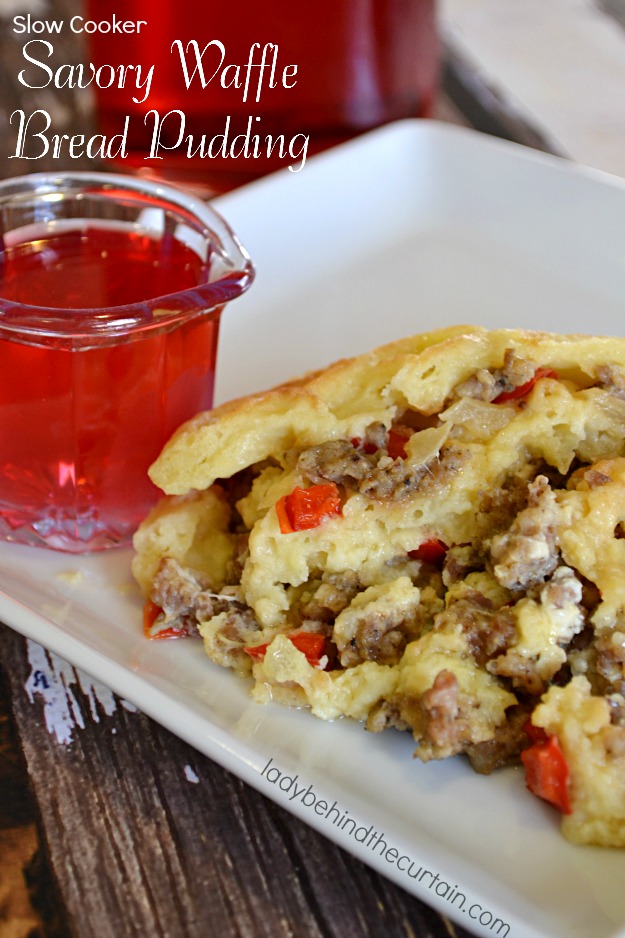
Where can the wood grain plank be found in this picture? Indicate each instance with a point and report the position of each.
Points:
(614, 8)
(472, 93)
(71, 109)
(30, 907)
(559, 66)
(18, 834)
(147, 836)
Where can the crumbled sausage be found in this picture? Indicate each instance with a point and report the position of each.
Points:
(460, 560)
(392, 478)
(435, 718)
(488, 632)
(185, 596)
(527, 553)
(376, 474)
(446, 725)
(499, 507)
(488, 385)
(482, 385)
(396, 479)
(376, 436)
(563, 589)
(380, 638)
(335, 592)
(509, 740)
(176, 589)
(336, 461)
(494, 637)
(610, 648)
(535, 658)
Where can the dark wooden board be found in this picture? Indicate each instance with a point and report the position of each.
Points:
(138, 849)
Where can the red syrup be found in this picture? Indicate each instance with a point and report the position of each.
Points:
(81, 423)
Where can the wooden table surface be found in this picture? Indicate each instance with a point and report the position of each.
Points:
(110, 825)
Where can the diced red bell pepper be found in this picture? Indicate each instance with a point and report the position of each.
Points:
(307, 508)
(432, 551)
(151, 612)
(311, 644)
(547, 772)
(516, 393)
(368, 448)
(396, 444)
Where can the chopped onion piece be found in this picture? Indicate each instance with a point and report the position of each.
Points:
(424, 445)
(474, 420)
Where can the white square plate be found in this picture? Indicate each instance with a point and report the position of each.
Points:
(414, 226)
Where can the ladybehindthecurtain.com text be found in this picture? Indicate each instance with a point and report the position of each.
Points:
(374, 840)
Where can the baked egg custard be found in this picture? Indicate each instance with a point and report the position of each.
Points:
(429, 537)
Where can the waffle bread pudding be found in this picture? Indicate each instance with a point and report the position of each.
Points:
(429, 537)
